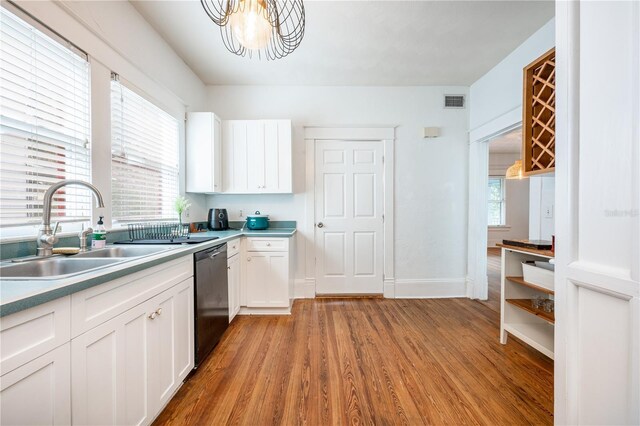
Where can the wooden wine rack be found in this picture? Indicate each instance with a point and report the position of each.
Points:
(539, 115)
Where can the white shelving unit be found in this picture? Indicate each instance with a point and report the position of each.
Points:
(517, 315)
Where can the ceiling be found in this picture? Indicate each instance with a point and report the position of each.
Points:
(509, 143)
(381, 43)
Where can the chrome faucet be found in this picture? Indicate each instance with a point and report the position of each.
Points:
(46, 236)
(83, 238)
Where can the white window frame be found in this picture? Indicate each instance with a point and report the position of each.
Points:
(503, 201)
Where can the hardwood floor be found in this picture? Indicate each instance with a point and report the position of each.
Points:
(373, 361)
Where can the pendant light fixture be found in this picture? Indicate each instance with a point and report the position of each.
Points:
(267, 28)
(515, 171)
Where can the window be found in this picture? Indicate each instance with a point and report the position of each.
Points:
(144, 158)
(44, 125)
(496, 201)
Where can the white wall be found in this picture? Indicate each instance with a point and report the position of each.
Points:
(517, 199)
(542, 207)
(117, 38)
(431, 175)
(495, 100)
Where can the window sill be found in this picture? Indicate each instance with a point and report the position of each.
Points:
(499, 228)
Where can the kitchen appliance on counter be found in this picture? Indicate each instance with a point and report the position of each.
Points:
(257, 221)
(218, 219)
(211, 299)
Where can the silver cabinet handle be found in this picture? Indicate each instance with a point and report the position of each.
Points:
(158, 311)
(152, 316)
(268, 244)
(248, 259)
(229, 267)
(320, 225)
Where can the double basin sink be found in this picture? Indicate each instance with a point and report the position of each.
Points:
(62, 267)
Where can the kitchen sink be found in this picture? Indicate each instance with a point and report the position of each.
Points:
(128, 251)
(53, 268)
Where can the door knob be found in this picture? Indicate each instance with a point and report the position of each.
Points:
(320, 225)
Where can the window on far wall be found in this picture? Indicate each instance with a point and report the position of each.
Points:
(44, 125)
(496, 201)
(144, 158)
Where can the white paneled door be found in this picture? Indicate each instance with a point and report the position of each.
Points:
(349, 217)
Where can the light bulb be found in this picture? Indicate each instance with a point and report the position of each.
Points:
(250, 25)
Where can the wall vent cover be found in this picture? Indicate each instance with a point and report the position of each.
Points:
(454, 101)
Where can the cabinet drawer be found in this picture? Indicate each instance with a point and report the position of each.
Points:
(33, 332)
(267, 244)
(98, 304)
(233, 247)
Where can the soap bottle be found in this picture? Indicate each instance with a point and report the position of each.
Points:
(99, 239)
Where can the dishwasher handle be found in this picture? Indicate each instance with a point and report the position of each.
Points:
(211, 253)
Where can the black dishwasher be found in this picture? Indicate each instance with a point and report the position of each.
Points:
(211, 299)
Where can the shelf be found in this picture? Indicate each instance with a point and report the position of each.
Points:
(538, 336)
(525, 304)
(520, 280)
(539, 115)
(543, 253)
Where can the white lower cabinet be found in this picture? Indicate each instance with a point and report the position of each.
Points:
(233, 265)
(125, 370)
(38, 392)
(267, 275)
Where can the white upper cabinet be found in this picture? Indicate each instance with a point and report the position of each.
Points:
(257, 157)
(204, 152)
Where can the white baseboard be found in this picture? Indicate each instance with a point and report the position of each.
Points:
(304, 288)
(264, 311)
(389, 288)
(431, 288)
(469, 287)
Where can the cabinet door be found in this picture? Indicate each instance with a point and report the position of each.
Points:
(255, 156)
(109, 371)
(234, 153)
(170, 342)
(233, 264)
(38, 392)
(203, 152)
(267, 280)
(277, 156)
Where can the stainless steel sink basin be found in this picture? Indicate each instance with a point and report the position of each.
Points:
(53, 268)
(126, 251)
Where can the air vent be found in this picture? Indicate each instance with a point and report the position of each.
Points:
(454, 101)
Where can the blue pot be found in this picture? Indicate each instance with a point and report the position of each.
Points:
(257, 221)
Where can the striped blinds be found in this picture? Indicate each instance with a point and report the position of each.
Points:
(44, 122)
(144, 158)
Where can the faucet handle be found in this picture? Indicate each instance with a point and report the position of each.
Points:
(55, 228)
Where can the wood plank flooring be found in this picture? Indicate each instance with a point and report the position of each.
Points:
(369, 361)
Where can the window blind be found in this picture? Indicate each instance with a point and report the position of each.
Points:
(144, 158)
(44, 123)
